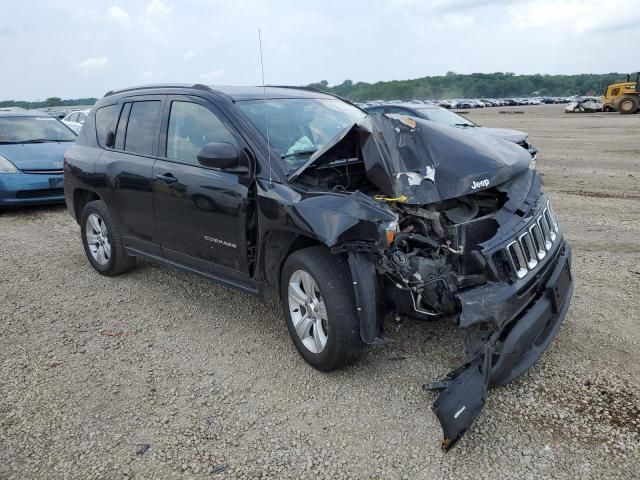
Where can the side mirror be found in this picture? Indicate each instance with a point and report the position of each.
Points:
(219, 155)
(111, 139)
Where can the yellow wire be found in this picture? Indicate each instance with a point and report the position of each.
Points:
(401, 198)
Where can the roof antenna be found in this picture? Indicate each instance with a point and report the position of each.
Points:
(266, 114)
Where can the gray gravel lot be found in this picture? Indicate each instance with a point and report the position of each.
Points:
(159, 374)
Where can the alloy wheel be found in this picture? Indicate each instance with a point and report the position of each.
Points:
(98, 239)
(308, 311)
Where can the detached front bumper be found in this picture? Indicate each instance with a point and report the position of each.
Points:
(31, 188)
(537, 306)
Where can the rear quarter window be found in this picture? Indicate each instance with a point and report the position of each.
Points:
(105, 118)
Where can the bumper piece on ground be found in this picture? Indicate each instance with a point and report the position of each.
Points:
(507, 354)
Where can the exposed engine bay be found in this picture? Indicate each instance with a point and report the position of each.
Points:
(432, 254)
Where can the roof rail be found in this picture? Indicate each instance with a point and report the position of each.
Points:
(160, 85)
(202, 86)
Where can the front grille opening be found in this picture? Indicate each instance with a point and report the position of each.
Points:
(43, 192)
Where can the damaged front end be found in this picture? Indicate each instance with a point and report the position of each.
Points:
(474, 241)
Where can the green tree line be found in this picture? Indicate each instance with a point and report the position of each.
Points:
(49, 102)
(475, 85)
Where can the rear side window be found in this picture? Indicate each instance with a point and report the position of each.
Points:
(141, 128)
(191, 127)
(104, 120)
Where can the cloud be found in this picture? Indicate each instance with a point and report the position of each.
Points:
(6, 31)
(92, 64)
(212, 75)
(577, 17)
(118, 15)
(189, 54)
(157, 20)
(158, 9)
(460, 20)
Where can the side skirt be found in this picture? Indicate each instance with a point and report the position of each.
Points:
(249, 286)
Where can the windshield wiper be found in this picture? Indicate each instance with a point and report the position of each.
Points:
(464, 125)
(300, 152)
(45, 140)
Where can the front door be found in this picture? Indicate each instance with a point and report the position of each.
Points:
(201, 213)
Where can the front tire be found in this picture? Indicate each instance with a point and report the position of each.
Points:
(628, 104)
(102, 241)
(315, 290)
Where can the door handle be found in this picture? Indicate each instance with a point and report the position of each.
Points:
(167, 178)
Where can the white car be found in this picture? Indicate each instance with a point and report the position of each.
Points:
(76, 119)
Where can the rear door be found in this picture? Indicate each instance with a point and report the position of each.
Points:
(201, 213)
(127, 169)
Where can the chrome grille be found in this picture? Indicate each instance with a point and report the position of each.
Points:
(532, 245)
(44, 172)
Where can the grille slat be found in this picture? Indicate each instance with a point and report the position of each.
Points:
(44, 172)
(532, 246)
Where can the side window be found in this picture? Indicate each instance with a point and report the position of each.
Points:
(121, 129)
(141, 127)
(615, 91)
(73, 117)
(82, 117)
(104, 120)
(192, 126)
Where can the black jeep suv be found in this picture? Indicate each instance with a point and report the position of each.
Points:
(345, 217)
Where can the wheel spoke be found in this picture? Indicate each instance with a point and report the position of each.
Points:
(321, 310)
(92, 238)
(103, 228)
(107, 249)
(100, 255)
(304, 325)
(309, 285)
(319, 338)
(296, 294)
(95, 225)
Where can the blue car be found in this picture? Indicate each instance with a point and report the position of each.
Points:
(32, 147)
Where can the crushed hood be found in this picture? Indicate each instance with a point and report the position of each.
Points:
(421, 160)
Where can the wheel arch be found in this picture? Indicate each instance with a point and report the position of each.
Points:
(82, 196)
(277, 246)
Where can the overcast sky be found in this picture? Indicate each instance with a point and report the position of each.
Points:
(73, 48)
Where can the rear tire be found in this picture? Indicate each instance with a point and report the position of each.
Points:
(102, 240)
(628, 104)
(317, 300)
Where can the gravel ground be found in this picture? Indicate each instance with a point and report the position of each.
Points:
(159, 374)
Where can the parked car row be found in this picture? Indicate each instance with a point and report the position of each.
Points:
(478, 102)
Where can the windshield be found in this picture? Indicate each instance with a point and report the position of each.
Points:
(447, 117)
(34, 130)
(300, 126)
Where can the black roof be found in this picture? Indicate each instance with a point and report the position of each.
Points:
(235, 93)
